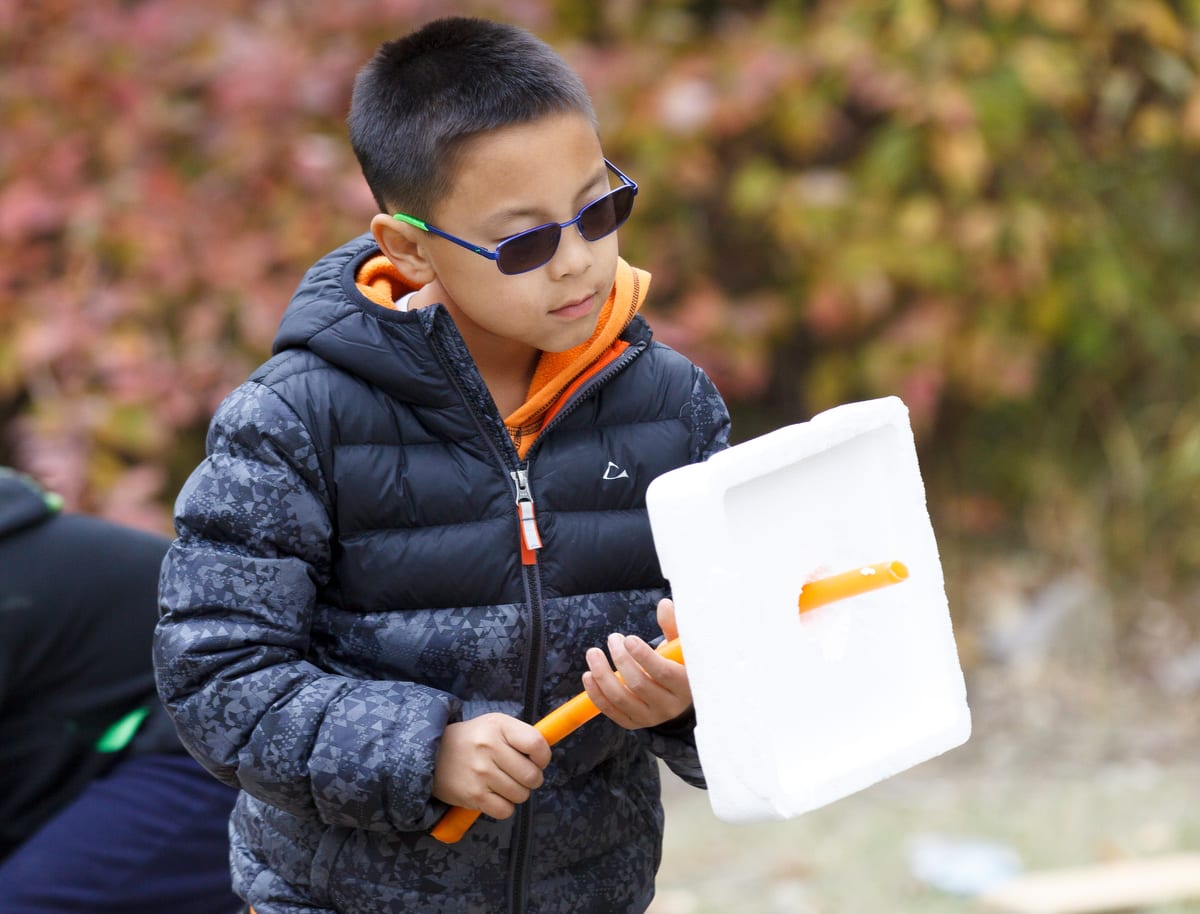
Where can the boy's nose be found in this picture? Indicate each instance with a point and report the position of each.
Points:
(574, 254)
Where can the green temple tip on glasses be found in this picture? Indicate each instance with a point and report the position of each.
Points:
(411, 220)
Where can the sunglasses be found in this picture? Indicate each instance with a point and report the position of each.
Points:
(535, 247)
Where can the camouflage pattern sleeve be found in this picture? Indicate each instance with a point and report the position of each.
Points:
(237, 597)
(710, 419)
(675, 743)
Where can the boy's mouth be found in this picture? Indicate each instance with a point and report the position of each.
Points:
(577, 308)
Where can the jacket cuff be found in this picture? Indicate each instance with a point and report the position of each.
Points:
(680, 727)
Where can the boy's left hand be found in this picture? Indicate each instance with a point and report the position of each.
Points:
(655, 689)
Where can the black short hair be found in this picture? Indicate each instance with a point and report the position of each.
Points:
(422, 96)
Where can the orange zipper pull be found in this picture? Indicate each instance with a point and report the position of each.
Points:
(531, 539)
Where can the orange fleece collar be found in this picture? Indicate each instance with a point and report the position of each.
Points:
(557, 374)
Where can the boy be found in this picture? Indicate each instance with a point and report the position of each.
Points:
(363, 612)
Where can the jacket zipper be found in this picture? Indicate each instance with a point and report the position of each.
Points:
(531, 542)
(529, 535)
(584, 392)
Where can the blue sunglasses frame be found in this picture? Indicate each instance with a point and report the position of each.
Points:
(495, 255)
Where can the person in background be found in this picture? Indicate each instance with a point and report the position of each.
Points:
(101, 809)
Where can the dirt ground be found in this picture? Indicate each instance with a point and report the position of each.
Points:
(1072, 761)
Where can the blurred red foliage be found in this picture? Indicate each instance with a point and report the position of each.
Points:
(988, 208)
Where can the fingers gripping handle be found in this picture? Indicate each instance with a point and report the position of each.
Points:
(568, 717)
(559, 723)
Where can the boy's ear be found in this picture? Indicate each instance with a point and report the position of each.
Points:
(404, 246)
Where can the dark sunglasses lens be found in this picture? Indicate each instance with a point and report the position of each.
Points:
(607, 214)
(529, 250)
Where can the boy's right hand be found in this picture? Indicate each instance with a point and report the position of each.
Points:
(490, 763)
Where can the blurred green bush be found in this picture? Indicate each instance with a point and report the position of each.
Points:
(986, 207)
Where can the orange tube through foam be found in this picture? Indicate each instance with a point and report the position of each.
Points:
(850, 584)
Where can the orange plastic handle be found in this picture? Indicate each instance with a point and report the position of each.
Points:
(573, 714)
(559, 723)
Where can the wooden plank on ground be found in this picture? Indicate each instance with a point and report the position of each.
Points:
(1116, 886)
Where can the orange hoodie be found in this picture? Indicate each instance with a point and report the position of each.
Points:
(558, 374)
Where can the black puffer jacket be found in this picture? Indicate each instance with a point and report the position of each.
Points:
(348, 580)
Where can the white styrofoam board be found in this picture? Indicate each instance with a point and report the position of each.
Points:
(795, 711)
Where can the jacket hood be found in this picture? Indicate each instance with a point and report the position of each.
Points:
(328, 295)
(23, 502)
(331, 317)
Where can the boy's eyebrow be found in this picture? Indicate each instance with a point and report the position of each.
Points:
(532, 212)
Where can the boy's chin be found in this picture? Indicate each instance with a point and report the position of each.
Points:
(570, 341)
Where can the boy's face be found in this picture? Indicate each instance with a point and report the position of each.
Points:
(505, 182)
